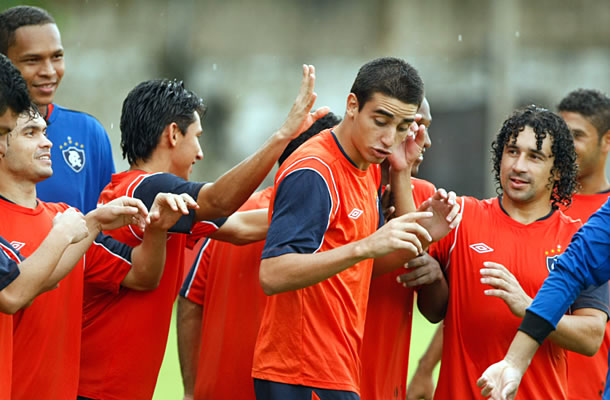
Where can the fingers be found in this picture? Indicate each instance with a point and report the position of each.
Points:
(320, 112)
(414, 216)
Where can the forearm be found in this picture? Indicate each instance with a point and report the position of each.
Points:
(432, 300)
(403, 191)
(35, 272)
(295, 271)
(243, 227)
(521, 351)
(581, 332)
(391, 262)
(189, 340)
(147, 261)
(231, 190)
(433, 354)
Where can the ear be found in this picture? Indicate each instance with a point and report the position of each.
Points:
(351, 108)
(604, 142)
(172, 132)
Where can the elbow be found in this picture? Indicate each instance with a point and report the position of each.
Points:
(268, 283)
(10, 304)
(592, 347)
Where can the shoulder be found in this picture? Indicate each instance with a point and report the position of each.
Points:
(66, 115)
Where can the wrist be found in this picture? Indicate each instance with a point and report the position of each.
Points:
(93, 225)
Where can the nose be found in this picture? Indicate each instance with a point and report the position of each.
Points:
(520, 164)
(47, 68)
(427, 140)
(46, 143)
(388, 137)
(199, 152)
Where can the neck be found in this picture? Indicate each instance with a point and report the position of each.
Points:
(594, 183)
(343, 134)
(153, 165)
(526, 213)
(43, 109)
(19, 192)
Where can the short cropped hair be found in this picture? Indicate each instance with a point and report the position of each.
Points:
(149, 108)
(544, 123)
(13, 89)
(593, 105)
(16, 17)
(328, 121)
(389, 76)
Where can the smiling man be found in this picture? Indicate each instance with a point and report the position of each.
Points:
(502, 252)
(81, 155)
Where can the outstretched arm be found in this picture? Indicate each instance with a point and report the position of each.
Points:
(231, 190)
(243, 227)
(68, 227)
(189, 319)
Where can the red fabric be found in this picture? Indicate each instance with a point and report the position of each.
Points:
(6, 355)
(313, 336)
(387, 333)
(587, 375)
(478, 329)
(124, 334)
(47, 334)
(226, 284)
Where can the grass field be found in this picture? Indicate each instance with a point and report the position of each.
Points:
(169, 385)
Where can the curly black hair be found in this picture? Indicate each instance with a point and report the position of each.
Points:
(13, 89)
(543, 122)
(149, 108)
(593, 105)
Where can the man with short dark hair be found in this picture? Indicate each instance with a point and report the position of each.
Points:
(81, 155)
(327, 230)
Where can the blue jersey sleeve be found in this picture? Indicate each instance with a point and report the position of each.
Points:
(301, 214)
(9, 259)
(585, 262)
(169, 183)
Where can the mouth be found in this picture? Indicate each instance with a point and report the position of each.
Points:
(44, 157)
(45, 87)
(518, 182)
(380, 153)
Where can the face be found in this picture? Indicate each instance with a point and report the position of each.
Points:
(379, 127)
(39, 55)
(426, 120)
(525, 171)
(187, 150)
(586, 143)
(8, 121)
(29, 156)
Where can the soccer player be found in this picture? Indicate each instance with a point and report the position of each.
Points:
(323, 238)
(47, 334)
(389, 312)
(221, 285)
(81, 155)
(501, 253)
(587, 114)
(123, 341)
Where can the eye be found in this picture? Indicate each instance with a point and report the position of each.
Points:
(379, 122)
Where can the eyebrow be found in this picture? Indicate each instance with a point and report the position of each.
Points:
(390, 115)
(532, 150)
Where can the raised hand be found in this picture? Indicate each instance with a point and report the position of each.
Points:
(300, 117)
(72, 223)
(506, 287)
(167, 210)
(446, 215)
(409, 150)
(423, 270)
(119, 212)
(500, 381)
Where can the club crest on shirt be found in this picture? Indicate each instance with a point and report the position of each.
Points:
(550, 263)
(74, 154)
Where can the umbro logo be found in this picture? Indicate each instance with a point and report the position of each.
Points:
(355, 213)
(481, 248)
(17, 245)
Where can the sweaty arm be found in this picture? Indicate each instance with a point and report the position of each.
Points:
(301, 215)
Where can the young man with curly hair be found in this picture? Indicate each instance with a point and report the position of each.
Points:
(502, 252)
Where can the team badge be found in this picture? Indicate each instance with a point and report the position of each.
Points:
(551, 257)
(74, 154)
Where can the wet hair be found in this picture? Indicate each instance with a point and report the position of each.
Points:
(328, 121)
(391, 77)
(149, 108)
(593, 105)
(13, 89)
(544, 123)
(16, 17)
